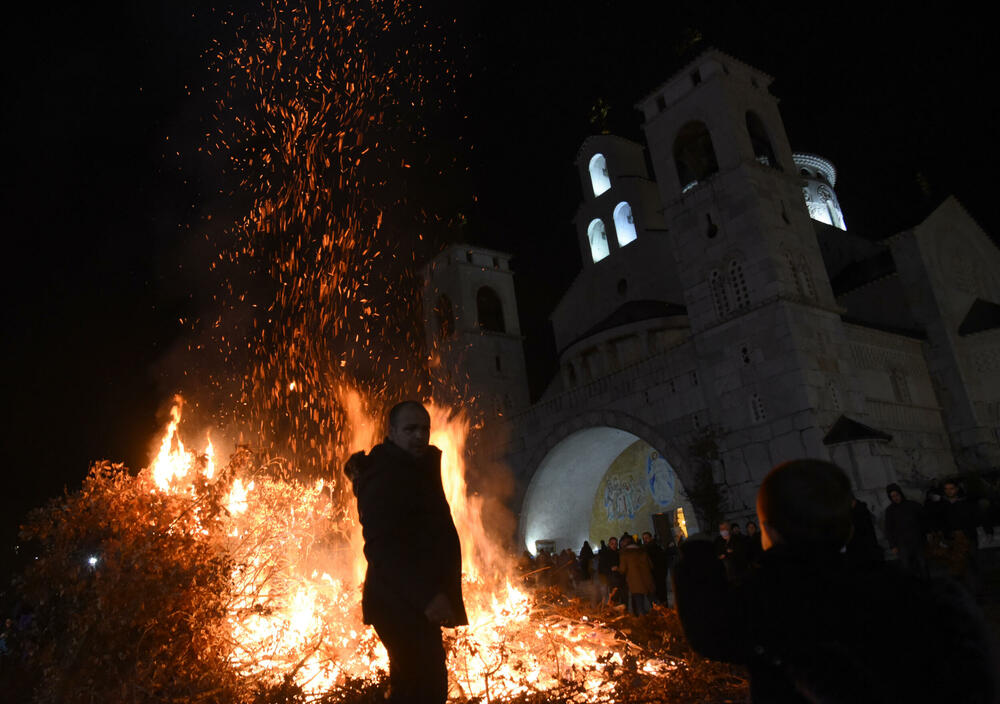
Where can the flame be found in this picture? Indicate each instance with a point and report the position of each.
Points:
(209, 470)
(172, 462)
(295, 605)
(237, 502)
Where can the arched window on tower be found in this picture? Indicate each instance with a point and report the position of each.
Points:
(599, 178)
(598, 238)
(694, 155)
(624, 224)
(741, 292)
(490, 310)
(762, 149)
(444, 318)
(720, 297)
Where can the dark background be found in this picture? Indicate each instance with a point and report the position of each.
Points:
(101, 210)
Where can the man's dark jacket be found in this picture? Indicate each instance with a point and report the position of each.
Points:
(904, 522)
(863, 548)
(411, 543)
(962, 515)
(812, 630)
(606, 559)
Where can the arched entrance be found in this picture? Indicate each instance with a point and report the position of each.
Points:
(598, 482)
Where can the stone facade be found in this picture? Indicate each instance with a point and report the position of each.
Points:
(713, 312)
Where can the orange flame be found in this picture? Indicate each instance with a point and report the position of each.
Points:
(295, 605)
(171, 462)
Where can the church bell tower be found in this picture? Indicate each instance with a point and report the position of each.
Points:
(770, 343)
(472, 329)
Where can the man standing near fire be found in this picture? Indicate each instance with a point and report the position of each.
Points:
(413, 586)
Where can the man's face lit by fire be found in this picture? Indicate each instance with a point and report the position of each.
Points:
(412, 430)
(950, 490)
(895, 497)
(613, 543)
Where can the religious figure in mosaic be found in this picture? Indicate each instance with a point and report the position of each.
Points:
(661, 479)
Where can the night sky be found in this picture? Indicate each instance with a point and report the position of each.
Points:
(102, 217)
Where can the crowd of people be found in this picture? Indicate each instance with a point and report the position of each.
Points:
(805, 596)
(629, 571)
(940, 536)
(738, 551)
(942, 533)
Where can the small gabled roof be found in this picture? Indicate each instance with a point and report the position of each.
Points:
(699, 59)
(982, 316)
(848, 430)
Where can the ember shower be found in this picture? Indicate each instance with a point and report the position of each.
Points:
(323, 123)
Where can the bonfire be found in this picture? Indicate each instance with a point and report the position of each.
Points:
(191, 581)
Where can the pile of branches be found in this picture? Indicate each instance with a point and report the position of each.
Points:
(126, 600)
(656, 636)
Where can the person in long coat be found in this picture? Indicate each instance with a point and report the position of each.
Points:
(637, 569)
(863, 549)
(905, 530)
(586, 561)
(413, 584)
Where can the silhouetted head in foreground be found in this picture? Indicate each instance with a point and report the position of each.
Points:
(805, 503)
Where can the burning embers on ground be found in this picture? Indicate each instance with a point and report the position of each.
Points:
(195, 581)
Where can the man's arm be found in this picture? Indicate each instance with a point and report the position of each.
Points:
(354, 467)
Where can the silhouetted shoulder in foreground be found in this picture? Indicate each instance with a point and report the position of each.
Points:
(811, 629)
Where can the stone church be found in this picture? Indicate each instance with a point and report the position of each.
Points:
(726, 320)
